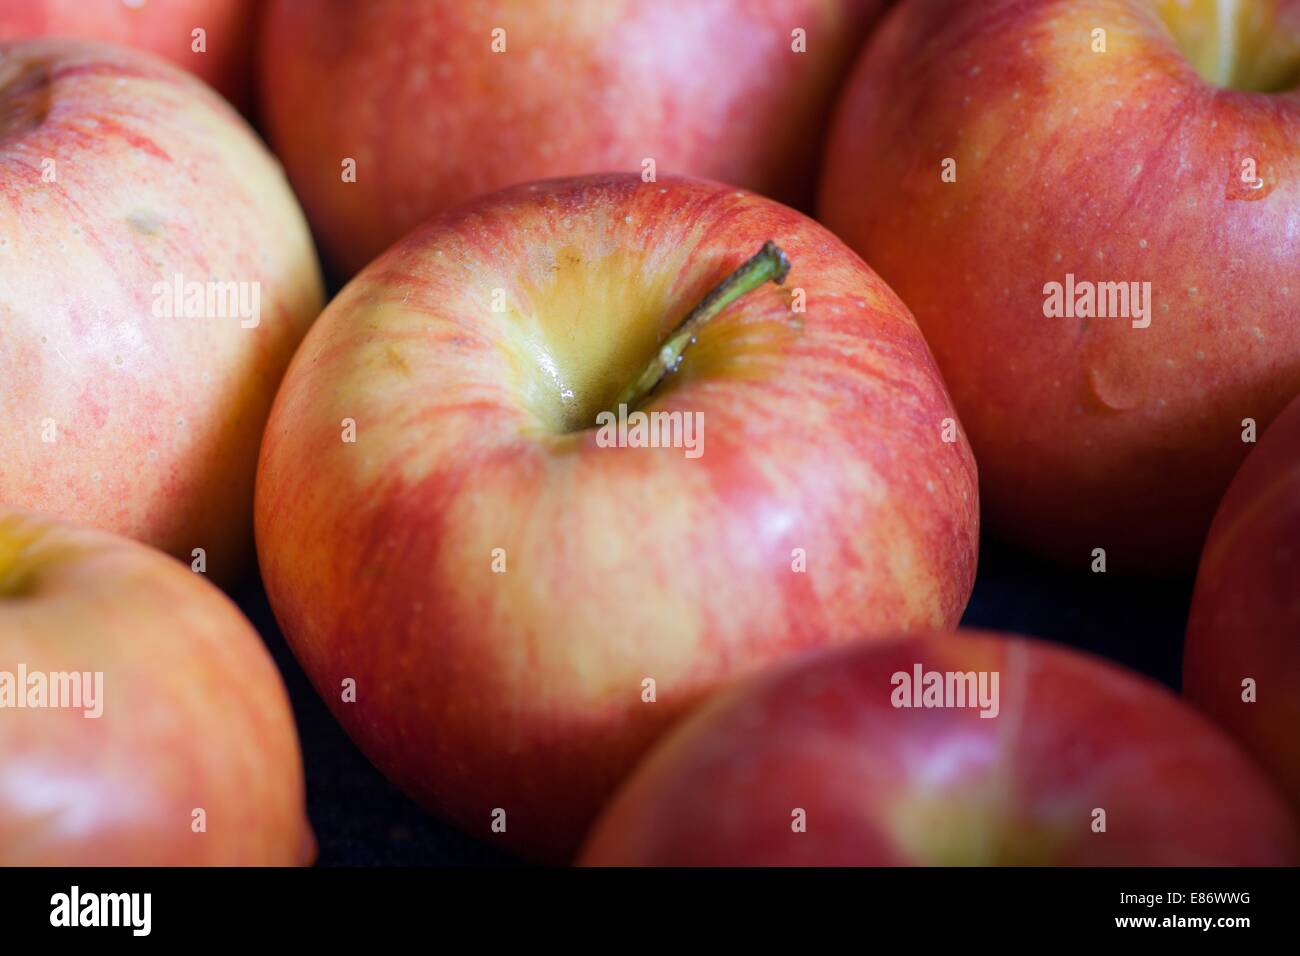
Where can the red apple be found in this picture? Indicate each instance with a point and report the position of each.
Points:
(501, 579)
(126, 406)
(1241, 665)
(415, 92)
(172, 742)
(1076, 763)
(1115, 166)
(164, 27)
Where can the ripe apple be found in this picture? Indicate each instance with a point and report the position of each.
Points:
(124, 405)
(1077, 763)
(1122, 165)
(168, 704)
(1245, 618)
(434, 105)
(164, 27)
(524, 600)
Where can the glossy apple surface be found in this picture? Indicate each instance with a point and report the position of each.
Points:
(500, 585)
(121, 172)
(1245, 617)
(164, 27)
(413, 91)
(192, 715)
(1118, 166)
(881, 785)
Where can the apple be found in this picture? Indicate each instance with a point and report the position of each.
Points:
(128, 403)
(142, 722)
(224, 58)
(437, 101)
(502, 591)
(939, 749)
(1082, 169)
(1241, 663)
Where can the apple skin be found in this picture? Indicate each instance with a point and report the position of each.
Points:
(1245, 616)
(155, 422)
(163, 27)
(1114, 167)
(522, 690)
(412, 91)
(194, 714)
(886, 786)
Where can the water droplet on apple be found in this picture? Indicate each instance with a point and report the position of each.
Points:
(1112, 388)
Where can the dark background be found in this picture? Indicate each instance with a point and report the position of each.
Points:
(361, 819)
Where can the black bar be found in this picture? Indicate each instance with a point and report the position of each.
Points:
(336, 905)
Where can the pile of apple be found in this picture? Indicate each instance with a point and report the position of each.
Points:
(609, 497)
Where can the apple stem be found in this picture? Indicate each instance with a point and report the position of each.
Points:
(768, 264)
